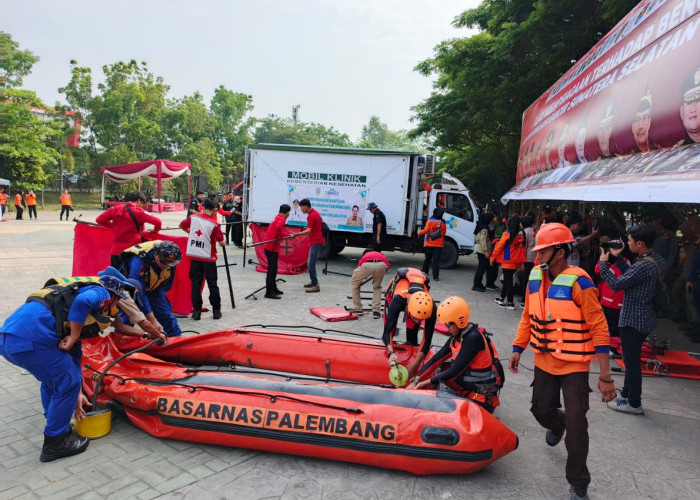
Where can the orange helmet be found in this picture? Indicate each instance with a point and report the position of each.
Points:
(552, 234)
(420, 305)
(454, 310)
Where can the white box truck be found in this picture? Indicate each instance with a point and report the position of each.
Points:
(340, 182)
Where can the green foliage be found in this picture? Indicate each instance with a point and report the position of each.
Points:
(25, 140)
(233, 129)
(377, 135)
(274, 130)
(485, 82)
(17, 63)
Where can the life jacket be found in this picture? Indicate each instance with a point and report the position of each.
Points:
(199, 238)
(557, 325)
(408, 280)
(482, 371)
(58, 295)
(151, 278)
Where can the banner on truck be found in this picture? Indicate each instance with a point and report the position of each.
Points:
(636, 92)
(339, 198)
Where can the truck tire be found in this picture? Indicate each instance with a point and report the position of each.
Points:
(449, 255)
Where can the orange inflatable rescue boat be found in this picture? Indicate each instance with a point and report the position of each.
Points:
(296, 393)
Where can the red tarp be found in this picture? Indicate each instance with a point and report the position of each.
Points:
(293, 253)
(91, 253)
(333, 313)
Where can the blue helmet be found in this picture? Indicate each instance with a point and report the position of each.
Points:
(116, 286)
(168, 252)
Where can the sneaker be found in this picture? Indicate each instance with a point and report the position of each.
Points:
(499, 300)
(507, 305)
(552, 438)
(357, 311)
(313, 289)
(493, 288)
(476, 288)
(376, 315)
(617, 399)
(578, 493)
(217, 313)
(436, 279)
(624, 406)
(309, 285)
(197, 314)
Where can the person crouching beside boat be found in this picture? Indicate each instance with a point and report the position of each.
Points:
(475, 372)
(409, 292)
(153, 264)
(42, 337)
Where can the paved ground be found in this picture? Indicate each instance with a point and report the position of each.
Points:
(655, 456)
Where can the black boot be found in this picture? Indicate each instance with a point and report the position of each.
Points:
(66, 445)
(197, 314)
(217, 313)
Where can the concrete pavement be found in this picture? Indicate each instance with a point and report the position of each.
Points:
(655, 456)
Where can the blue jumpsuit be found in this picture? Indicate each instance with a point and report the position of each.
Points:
(155, 301)
(29, 341)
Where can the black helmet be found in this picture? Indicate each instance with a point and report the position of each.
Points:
(169, 253)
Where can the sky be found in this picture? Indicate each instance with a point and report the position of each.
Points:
(341, 61)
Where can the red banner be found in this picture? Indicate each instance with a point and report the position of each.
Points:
(635, 91)
(293, 253)
(91, 254)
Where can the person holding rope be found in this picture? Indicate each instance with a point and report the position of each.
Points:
(126, 223)
(42, 336)
(203, 235)
(275, 233)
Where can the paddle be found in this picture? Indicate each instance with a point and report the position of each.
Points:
(398, 375)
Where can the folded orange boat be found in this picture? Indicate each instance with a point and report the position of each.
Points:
(295, 393)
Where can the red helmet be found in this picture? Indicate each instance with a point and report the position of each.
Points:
(551, 234)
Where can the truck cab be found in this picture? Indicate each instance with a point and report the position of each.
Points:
(460, 216)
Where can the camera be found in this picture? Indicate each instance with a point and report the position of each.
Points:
(616, 244)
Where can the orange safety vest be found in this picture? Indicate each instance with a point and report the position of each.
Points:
(31, 199)
(65, 199)
(407, 281)
(557, 325)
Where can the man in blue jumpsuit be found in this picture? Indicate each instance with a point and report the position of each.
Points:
(155, 271)
(30, 339)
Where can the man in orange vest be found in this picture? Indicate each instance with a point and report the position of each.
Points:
(31, 204)
(434, 232)
(66, 204)
(564, 324)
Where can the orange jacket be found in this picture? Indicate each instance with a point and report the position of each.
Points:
(433, 226)
(18, 199)
(510, 256)
(553, 306)
(65, 199)
(31, 199)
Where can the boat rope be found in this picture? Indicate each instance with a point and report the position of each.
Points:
(192, 388)
(323, 330)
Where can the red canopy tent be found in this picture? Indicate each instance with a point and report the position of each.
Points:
(155, 169)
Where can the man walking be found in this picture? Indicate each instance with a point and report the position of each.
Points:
(564, 324)
(275, 233)
(378, 227)
(373, 264)
(637, 318)
(314, 229)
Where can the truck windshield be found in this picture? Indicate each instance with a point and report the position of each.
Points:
(458, 205)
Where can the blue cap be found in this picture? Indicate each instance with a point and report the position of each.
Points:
(116, 282)
(372, 205)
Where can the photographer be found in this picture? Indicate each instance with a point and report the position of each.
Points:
(637, 318)
(609, 299)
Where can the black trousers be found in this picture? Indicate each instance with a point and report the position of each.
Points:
(612, 316)
(432, 254)
(492, 274)
(481, 269)
(632, 340)
(227, 231)
(198, 271)
(507, 291)
(19, 210)
(66, 209)
(32, 210)
(545, 408)
(237, 233)
(271, 278)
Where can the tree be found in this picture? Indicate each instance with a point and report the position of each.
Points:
(377, 135)
(485, 82)
(25, 140)
(233, 129)
(16, 63)
(276, 130)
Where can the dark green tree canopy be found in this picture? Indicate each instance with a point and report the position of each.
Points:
(485, 82)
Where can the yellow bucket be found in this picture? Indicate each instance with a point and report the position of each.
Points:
(95, 424)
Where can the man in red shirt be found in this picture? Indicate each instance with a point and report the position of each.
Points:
(126, 222)
(316, 242)
(275, 233)
(204, 232)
